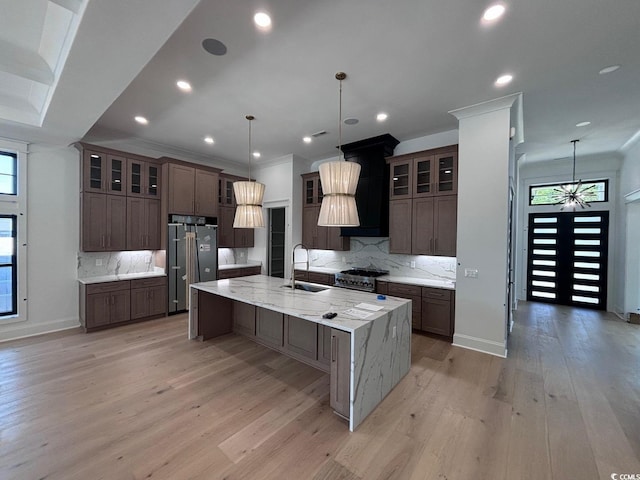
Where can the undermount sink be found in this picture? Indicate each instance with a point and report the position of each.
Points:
(306, 287)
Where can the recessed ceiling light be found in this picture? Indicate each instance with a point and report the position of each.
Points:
(306, 139)
(609, 69)
(184, 85)
(504, 80)
(262, 19)
(209, 140)
(351, 121)
(141, 120)
(494, 12)
(583, 124)
(381, 117)
(256, 154)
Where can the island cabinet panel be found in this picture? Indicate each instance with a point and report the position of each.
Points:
(324, 345)
(301, 337)
(244, 318)
(269, 327)
(340, 372)
(215, 315)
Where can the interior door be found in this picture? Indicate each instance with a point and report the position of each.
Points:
(567, 258)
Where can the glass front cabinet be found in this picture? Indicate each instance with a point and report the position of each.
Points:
(104, 173)
(423, 174)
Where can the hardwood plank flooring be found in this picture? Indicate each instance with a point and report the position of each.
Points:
(142, 401)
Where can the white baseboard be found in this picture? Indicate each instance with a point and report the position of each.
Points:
(480, 345)
(25, 329)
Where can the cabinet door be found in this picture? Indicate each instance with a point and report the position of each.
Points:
(153, 178)
(422, 234)
(97, 309)
(206, 193)
(446, 165)
(116, 223)
(335, 241)
(445, 224)
(181, 189)
(136, 229)
(324, 344)
(244, 318)
(152, 224)
(400, 226)
(269, 326)
(94, 222)
(400, 180)
(136, 180)
(340, 372)
(301, 337)
(116, 175)
(310, 226)
(94, 172)
(423, 176)
(120, 306)
(242, 237)
(158, 300)
(225, 227)
(226, 195)
(436, 316)
(139, 303)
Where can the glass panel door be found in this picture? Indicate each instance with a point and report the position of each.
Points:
(136, 178)
(117, 174)
(400, 180)
(152, 189)
(96, 162)
(445, 174)
(423, 175)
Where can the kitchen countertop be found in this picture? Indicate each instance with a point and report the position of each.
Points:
(268, 292)
(122, 276)
(249, 264)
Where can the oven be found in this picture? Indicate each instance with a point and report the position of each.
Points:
(363, 279)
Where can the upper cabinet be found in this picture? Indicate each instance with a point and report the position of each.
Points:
(143, 178)
(424, 174)
(312, 189)
(193, 191)
(103, 173)
(313, 235)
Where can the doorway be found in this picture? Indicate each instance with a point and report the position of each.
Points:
(276, 241)
(567, 258)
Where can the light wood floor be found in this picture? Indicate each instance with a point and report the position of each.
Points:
(143, 402)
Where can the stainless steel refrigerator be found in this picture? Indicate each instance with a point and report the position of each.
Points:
(193, 256)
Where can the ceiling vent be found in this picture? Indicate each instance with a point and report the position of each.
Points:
(319, 134)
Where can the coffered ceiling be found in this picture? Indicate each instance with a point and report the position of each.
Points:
(414, 60)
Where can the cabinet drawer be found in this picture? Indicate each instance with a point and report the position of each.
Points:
(436, 293)
(401, 289)
(149, 282)
(382, 287)
(228, 273)
(108, 287)
(322, 278)
(302, 275)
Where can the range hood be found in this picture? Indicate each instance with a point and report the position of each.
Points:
(372, 195)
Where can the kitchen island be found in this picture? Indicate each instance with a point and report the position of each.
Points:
(366, 348)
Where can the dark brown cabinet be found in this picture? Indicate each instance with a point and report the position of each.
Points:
(103, 304)
(192, 191)
(148, 297)
(143, 224)
(226, 237)
(239, 272)
(339, 387)
(104, 222)
(144, 179)
(103, 172)
(423, 206)
(313, 235)
(413, 293)
(229, 237)
(437, 311)
(324, 345)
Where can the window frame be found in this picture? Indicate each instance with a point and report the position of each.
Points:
(16, 204)
(604, 181)
(14, 265)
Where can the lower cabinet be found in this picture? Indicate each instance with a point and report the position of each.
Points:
(301, 337)
(113, 303)
(315, 277)
(340, 372)
(239, 272)
(148, 297)
(413, 293)
(244, 318)
(269, 327)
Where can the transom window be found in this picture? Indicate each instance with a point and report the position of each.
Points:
(593, 191)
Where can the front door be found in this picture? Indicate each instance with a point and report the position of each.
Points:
(567, 258)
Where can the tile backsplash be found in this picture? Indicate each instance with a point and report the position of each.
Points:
(374, 252)
(95, 264)
(232, 256)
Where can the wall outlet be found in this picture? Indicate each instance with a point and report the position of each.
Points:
(393, 335)
(471, 272)
(413, 264)
(98, 262)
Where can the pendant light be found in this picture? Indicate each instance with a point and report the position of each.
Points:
(248, 197)
(573, 195)
(339, 182)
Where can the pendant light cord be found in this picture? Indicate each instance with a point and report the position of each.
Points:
(340, 76)
(574, 161)
(250, 118)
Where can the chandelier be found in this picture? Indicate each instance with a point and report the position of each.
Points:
(248, 197)
(574, 194)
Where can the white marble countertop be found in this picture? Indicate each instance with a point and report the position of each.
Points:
(322, 269)
(268, 292)
(423, 282)
(249, 264)
(123, 276)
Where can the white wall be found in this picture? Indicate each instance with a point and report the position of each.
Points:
(598, 167)
(53, 226)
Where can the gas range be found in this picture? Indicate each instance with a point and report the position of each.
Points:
(359, 279)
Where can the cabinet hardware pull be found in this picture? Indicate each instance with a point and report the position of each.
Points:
(334, 342)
